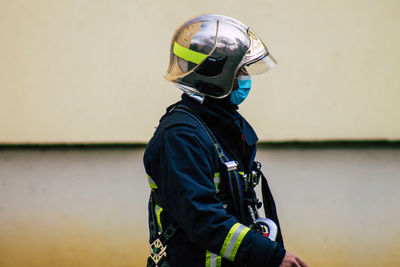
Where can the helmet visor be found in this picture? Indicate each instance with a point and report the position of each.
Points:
(257, 59)
(262, 65)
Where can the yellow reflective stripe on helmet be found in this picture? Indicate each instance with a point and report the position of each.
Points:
(213, 260)
(188, 55)
(217, 181)
(151, 182)
(158, 210)
(233, 240)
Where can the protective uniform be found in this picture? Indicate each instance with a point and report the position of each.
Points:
(200, 165)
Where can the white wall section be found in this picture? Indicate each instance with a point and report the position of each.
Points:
(92, 71)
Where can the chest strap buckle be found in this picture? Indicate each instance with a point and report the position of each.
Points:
(231, 165)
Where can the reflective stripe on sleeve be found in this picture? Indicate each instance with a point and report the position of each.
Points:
(151, 182)
(233, 240)
(158, 211)
(213, 260)
(217, 181)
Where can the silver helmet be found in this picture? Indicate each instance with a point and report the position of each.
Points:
(208, 50)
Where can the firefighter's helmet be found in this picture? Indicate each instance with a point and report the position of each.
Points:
(208, 50)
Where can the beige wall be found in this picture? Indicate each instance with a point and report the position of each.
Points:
(91, 71)
(338, 207)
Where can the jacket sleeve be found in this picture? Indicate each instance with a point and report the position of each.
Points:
(184, 176)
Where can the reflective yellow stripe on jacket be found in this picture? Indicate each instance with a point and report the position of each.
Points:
(233, 240)
(213, 260)
(151, 182)
(217, 181)
(158, 210)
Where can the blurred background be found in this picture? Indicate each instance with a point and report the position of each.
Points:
(82, 90)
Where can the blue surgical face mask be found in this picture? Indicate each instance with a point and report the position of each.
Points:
(244, 86)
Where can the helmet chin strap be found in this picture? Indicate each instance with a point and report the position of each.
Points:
(189, 92)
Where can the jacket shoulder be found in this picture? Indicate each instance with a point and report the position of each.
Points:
(177, 118)
(180, 126)
(181, 133)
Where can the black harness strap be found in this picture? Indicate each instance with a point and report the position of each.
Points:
(160, 240)
(234, 183)
(152, 221)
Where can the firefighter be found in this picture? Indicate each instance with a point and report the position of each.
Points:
(203, 210)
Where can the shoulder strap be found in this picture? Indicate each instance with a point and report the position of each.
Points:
(230, 167)
(191, 113)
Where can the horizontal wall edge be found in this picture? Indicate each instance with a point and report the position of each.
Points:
(304, 144)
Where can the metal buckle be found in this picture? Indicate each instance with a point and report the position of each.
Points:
(246, 181)
(255, 177)
(251, 180)
(231, 165)
(157, 251)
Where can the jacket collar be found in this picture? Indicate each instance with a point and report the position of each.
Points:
(230, 128)
(222, 114)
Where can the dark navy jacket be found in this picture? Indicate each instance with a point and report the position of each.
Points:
(181, 163)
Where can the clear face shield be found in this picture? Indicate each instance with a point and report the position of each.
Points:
(257, 59)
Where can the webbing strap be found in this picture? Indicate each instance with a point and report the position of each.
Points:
(234, 183)
(188, 111)
(236, 193)
(166, 235)
(152, 219)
